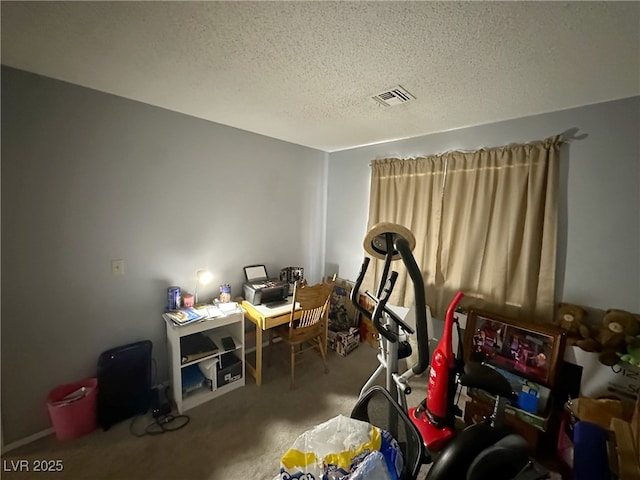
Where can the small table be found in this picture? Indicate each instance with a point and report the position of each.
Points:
(264, 318)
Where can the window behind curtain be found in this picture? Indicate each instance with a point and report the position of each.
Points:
(485, 223)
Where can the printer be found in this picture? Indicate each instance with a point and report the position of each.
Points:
(259, 288)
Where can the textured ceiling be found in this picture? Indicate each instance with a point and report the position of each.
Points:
(305, 72)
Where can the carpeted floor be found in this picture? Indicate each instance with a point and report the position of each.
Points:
(241, 435)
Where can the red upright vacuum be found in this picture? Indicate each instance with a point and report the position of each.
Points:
(435, 416)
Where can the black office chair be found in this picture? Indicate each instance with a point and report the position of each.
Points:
(377, 407)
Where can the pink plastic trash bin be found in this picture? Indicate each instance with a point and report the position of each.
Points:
(72, 408)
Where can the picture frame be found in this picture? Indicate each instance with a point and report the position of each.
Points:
(531, 351)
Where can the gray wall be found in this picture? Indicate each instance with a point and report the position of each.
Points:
(88, 177)
(599, 231)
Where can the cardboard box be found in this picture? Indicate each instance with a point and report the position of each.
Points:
(627, 443)
(598, 380)
(343, 342)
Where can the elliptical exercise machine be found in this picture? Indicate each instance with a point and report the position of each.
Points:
(392, 242)
(485, 450)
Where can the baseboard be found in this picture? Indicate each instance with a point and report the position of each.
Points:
(27, 440)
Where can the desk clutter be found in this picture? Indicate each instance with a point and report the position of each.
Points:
(185, 316)
(178, 298)
(181, 310)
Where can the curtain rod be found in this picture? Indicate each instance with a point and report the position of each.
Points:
(558, 139)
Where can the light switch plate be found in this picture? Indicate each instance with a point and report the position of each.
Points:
(117, 267)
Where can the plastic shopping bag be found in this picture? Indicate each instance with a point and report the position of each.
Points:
(334, 449)
(373, 467)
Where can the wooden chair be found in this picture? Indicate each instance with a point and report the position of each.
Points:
(307, 327)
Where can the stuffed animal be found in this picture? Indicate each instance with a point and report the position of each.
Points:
(569, 318)
(618, 329)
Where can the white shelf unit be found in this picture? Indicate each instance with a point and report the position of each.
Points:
(231, 325)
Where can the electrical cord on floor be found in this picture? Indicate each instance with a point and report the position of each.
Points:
(160, 425)
(164, 421)
(167, 423)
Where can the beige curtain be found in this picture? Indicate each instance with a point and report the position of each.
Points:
(407, 192)
(485, 223)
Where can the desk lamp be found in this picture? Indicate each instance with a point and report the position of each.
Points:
(202, 277)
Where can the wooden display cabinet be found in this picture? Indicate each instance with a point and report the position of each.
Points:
(528, 355)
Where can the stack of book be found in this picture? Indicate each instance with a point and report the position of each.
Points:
(183, 316)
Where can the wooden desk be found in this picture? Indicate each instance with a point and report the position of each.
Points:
(264, 318)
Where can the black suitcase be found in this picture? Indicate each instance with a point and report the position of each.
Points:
(124, 383)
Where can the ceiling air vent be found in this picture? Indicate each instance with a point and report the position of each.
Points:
(394, 96)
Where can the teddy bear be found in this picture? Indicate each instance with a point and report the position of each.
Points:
(619, 328)
(569, 318)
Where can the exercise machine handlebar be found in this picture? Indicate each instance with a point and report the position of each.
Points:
(403, 248)
(356, 289)
(405, 326)
(381, 306)
(422, 336)
(380, 303)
